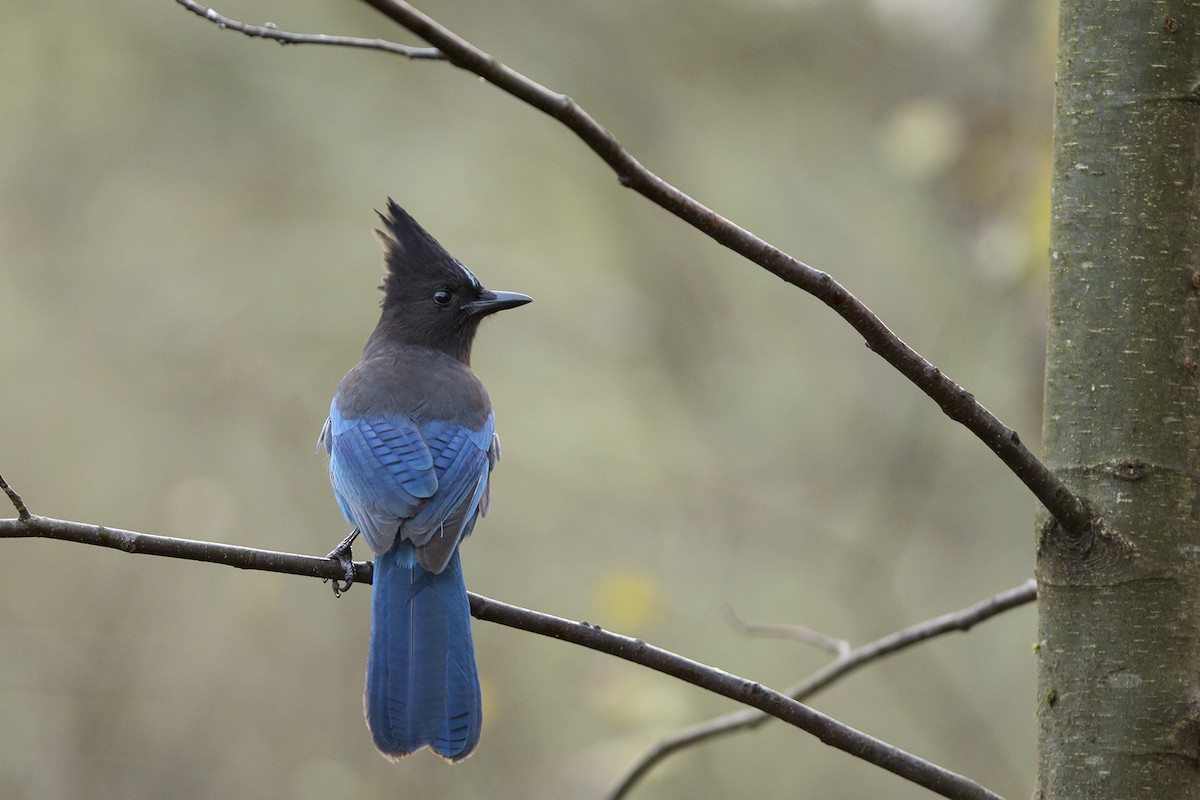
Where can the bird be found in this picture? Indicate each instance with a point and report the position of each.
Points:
(411, 440)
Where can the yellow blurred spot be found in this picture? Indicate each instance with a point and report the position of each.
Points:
(627, 600)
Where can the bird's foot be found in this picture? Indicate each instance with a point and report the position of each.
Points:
(344, 555)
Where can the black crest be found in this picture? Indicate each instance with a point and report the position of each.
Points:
(413, 257)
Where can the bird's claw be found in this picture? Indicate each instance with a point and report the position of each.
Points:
(344, 555)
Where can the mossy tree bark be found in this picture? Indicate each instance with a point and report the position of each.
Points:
(1119, 643)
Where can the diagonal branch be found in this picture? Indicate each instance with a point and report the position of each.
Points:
(767, 701)
(1071, 511)
(850, 661)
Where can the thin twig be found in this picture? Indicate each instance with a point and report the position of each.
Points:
(962, 620)
(838, 647)
(19, 504)
(827, 729)
(269, 31)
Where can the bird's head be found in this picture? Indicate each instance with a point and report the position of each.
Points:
(430, 299)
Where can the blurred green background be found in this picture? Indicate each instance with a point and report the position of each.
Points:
(187, 269)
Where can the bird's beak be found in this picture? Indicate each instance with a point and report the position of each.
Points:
(491, 302)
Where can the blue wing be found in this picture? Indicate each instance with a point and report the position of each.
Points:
(462, 464)
(427, 482)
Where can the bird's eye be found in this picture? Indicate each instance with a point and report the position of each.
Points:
(441, 297)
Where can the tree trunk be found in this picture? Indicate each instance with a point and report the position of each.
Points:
(1119, 642)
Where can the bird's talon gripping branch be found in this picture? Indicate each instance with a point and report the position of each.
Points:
(344, 555)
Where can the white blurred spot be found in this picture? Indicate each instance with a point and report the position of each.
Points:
(922, 138)
(1001, 249)
(955, 23)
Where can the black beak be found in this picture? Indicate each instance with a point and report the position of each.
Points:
(491, 302)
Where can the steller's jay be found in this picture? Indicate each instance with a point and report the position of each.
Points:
(411, 441)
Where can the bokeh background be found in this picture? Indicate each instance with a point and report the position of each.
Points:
(187, 269)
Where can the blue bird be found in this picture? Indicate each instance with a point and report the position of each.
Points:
(411, 440)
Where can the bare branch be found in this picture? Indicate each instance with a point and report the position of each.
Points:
(269, 31)
(767, 701)
(189, 549)
(962, 620)
(827, 729)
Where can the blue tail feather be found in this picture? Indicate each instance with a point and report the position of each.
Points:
(422, 682)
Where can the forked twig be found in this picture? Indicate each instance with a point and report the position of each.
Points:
(962, 620)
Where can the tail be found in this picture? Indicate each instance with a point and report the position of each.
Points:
(422, 683)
